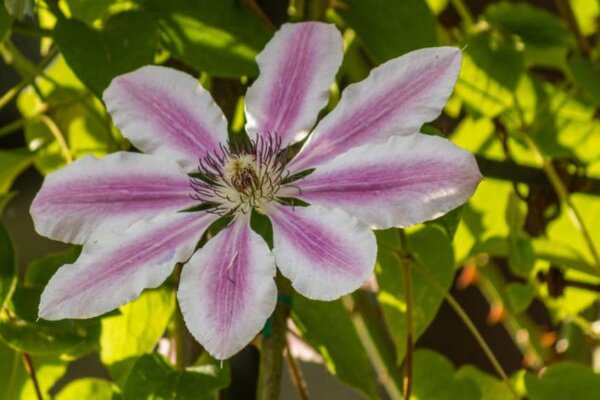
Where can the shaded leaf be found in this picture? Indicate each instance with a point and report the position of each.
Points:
(152, 377)
(490, 387)
(8, 267)
(126, 42)
(535, 26)
(566, 380)
(434, 378)
(382, 26)
(23, 332)
(328, 328)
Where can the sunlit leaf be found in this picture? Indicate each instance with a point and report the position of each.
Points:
(144, 320)
(382, 25)
(81, 121)
(490, 72)
(220, 37)
(88, 389)
(328, 328)
(16, 383)
(433, 252)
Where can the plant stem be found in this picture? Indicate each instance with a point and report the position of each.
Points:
(563, 196)
(463, 12)
(30, 368)
(471, 327)
(58, 136)
(408, 359)
(567, 13)
(273, 343)
(406, 265)
(295, 374)
(12, 92)
(373, 352)
(179, 331)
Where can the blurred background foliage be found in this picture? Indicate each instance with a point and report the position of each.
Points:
(496, 300)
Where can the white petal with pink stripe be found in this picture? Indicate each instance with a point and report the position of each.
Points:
(395, 99)
(325, 253)
(114, 191)
(296, 69)
(401, 182)
(166, 112)
(227, 290)
(114, 267)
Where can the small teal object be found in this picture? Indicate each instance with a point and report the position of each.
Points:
(283, 299)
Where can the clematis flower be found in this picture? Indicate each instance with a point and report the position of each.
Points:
(364, 166)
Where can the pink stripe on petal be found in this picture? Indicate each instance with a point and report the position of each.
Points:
(401, 182)
(227, 291)
(166, 112)
(296, 69)
(395, 99)
(115, 191)
(115, 267)
(324, 252)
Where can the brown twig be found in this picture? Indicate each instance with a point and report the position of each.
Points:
(30, 368)
(567, 13)
(296, 374)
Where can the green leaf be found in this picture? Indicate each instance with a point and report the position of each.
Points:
(328, 328)
(8, 267)
(434, 378)
(535, 26)
(490, 387)
(586, 74)
(88, 389)
(152, 377)
(39, 272)
(382, 26)
(144, 320)
(565, 380)
(433, 252)
(127, 41)
(80, 118)
(490, 73)
(65, 338)
(449, 222)
(519, 296)
(5, 22)
(16, 383)
(90, 10)
(12, 164)
(19, 8)
(220, 37)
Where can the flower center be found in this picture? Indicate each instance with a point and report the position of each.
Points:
(238, 178)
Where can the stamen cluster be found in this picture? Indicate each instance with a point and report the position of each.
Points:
(240, 176)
